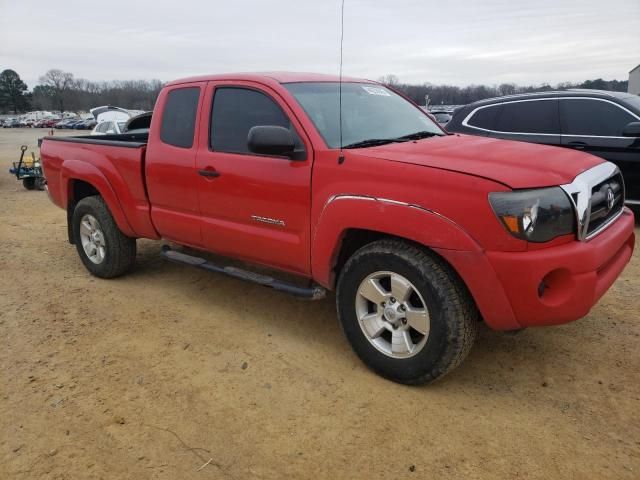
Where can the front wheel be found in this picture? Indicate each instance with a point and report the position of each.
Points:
(405, 312)
(104, 250)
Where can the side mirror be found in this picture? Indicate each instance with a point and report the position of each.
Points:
(631, 130)
(270, 140)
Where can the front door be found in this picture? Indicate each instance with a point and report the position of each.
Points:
(254, 207)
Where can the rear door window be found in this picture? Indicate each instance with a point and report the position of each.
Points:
(179, 117)
(530, 116)
(591, 117)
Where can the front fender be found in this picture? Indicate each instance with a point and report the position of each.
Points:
(77, 170)
(412, 222)
(422, 226)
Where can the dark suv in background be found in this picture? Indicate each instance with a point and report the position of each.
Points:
(602, 123)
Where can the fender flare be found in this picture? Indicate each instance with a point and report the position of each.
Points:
(77, 170)
(418, 224)
(344, 212)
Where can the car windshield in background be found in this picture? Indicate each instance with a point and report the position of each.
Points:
(371, 114)
(634, 101)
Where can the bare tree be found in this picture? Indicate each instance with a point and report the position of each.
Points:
(61, 85)
(507, 89)
(390, 79)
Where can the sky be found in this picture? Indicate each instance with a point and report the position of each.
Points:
(457, 42)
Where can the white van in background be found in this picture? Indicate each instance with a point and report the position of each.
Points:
(111, 120)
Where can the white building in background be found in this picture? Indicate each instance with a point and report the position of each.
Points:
(634, 81)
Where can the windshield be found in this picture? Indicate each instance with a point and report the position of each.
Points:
(634, 101)
(370, 113)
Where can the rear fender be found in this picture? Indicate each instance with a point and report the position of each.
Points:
(77, 170)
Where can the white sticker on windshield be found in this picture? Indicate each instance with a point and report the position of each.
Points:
(376, 91)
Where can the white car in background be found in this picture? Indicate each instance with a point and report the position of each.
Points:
(108, 128)
(111, 120)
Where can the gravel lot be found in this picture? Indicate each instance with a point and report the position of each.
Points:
(157, 373)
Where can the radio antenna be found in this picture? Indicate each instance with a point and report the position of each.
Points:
(341, 155)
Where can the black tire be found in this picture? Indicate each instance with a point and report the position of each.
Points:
(452, 311)
(120, 250)
(29, 183)
(40, 183)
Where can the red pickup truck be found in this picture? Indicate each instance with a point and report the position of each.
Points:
(421, 233)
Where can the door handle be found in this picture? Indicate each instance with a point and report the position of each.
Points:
(577, 145)
(209, 172)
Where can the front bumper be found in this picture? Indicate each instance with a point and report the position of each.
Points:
(547, 286)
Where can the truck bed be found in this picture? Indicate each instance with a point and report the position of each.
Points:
(113, 164)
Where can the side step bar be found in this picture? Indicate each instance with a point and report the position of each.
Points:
(315, 292)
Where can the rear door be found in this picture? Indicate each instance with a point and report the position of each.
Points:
(254, 207)
(595, 126)
(170, 164)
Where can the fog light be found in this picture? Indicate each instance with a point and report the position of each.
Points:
(541, 288)
(557, 287)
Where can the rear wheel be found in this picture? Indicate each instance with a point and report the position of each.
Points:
(405, 312)
(29, 183)
(104, 250)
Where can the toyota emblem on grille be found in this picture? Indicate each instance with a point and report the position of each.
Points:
(611, 199)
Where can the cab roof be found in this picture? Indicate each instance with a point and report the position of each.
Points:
(269, 77)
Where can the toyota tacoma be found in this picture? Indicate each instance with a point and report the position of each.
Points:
(350, 187)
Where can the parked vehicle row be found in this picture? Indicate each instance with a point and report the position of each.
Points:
(76, 124)
(102, 128)
(67, 123)
(46, 123)
(73, 123)
(11, 123)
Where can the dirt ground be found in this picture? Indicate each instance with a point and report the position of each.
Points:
(158, 373)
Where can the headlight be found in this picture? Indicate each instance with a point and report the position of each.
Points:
(536, 215)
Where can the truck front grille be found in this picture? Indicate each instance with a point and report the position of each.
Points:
(607, 200)
(598, 197)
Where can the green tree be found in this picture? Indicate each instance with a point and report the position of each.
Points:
(43, 98)
(13, 92)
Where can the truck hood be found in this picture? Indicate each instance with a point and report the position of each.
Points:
(515, 164)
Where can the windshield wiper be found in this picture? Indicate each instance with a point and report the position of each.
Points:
(418, 135)
(371, 142)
